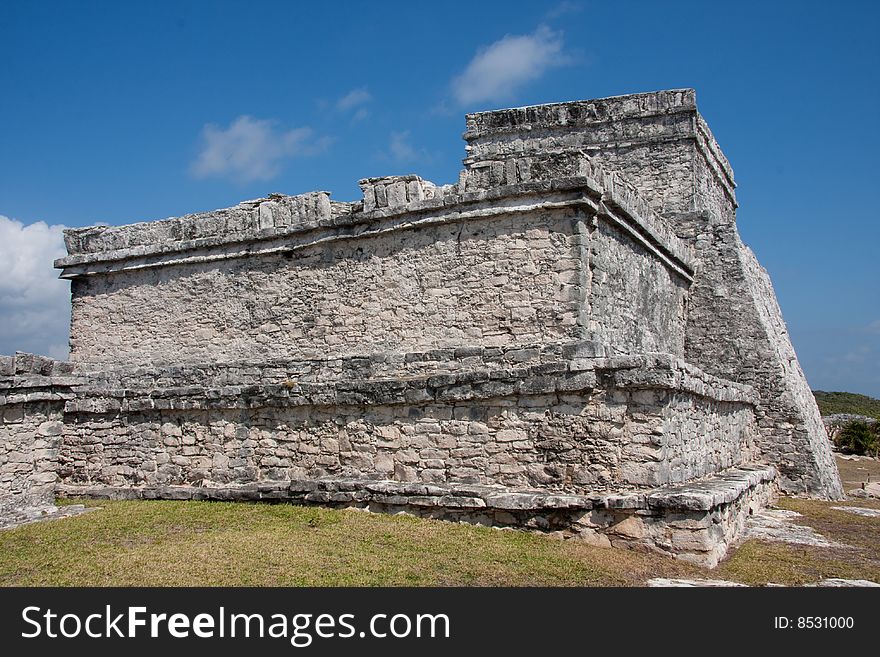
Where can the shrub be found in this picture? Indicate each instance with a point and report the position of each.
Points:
(859, 437)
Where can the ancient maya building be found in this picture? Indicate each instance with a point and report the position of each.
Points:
(570, 338)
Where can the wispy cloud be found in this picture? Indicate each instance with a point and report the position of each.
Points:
(360, 115)
(874, 327)
(400, 147)
(857, 354)
(352, 99)
(252, 149)
(402, 151)
(34, 302)
(564, 8)
(497, 71)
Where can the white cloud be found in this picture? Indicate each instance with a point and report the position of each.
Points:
(497, 71)
(564, 8)
(34, 302)
(402, 151)
(400, 147)
(360, 115)
(857, 354)
(874, 327)
(353, 99)
(252, 149)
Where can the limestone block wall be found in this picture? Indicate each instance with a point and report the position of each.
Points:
(551, 249)
(471, 283)
(635, 304)
(631, 423)
(32, 396)
(735, 330)
(646, 137)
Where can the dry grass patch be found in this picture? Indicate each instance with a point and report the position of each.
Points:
(855, 472)
(762, 562)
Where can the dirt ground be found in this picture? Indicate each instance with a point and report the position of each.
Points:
(854, 471)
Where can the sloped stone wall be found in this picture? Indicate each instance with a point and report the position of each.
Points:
(735, 329)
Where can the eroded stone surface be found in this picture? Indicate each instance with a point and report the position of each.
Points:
(33, 391)
(780, 525)
(551, 426)
(26, 516)
(699, 583)
(692, 583)
(838, 582)
(859, 511)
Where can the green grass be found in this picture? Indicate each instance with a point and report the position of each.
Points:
(169, 543)
(831, 403)
(166, 543)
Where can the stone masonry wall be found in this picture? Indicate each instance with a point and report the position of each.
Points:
(534, 257)
(635, 304)
(549, 426)
(734, 326)
(33, 390)
(480, 283)
(646, 137)
(567, 444)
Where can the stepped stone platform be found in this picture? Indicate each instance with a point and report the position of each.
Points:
(695, 521)
(570, 338)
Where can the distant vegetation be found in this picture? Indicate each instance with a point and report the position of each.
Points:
(831, 403)
(860, 438)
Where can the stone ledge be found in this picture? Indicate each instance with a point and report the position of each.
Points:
(374, 365)
(579, 113)
(26, 516)
(440, 366)
(696, 523)
(703, 495)
(24, 367)
(27, 378)
(553, 180)
(646, 372)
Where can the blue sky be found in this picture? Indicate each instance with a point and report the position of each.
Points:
(124, 111)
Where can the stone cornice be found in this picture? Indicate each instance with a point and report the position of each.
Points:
(286, 224)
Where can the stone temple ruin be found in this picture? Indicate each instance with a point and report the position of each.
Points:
(571, 338)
